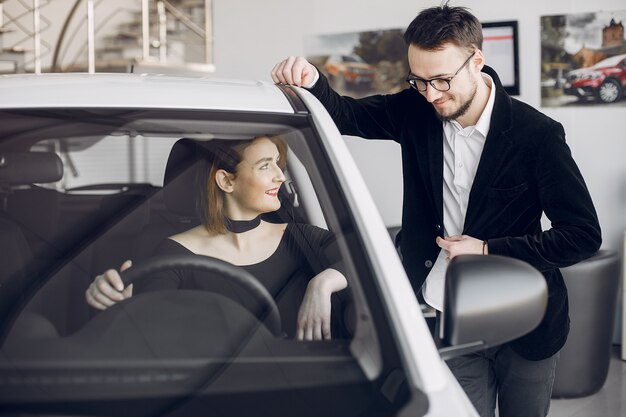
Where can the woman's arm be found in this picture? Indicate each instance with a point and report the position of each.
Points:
(314, 313)
(107, 289)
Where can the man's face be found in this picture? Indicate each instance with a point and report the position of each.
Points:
(444, 63)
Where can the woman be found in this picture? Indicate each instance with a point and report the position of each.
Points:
(243, 181)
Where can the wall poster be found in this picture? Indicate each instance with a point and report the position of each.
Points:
(363, 63)
(501, 53)
(583, 59)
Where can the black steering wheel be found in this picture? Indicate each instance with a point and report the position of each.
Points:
(262, 305)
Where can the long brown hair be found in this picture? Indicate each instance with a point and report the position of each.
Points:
(226, 155)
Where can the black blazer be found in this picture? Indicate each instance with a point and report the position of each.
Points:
(526, 169)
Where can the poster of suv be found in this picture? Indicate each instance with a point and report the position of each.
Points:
(375, 62)
(583, 59)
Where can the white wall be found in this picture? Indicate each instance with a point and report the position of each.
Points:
(251, 36)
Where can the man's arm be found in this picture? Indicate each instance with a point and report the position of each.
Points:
(373, 117)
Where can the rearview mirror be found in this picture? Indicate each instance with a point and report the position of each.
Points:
(489, 300)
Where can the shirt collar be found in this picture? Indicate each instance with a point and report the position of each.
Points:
(484, 121)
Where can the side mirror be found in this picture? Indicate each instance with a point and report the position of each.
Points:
(489, 300)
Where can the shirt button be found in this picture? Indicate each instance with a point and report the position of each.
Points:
(460, 164)
(428, 263)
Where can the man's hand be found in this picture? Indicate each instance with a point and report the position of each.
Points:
(108, 289)
(461, 245)
(294, 71)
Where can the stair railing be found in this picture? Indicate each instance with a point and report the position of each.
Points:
(205, 33)
(39, 24)
(60, 53)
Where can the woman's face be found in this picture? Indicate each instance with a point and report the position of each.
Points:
(257, 181)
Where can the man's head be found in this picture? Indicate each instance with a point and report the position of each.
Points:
(446, 62)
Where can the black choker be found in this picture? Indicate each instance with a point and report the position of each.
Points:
(240, 226)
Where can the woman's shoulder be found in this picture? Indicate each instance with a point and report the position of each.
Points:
(306, 227)
(196, 240)
(179, 243)
(308, 232)
(188, 237)
(168, 246)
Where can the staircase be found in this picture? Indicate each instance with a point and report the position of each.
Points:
(168, 37)
(13, 54)
(172, 36)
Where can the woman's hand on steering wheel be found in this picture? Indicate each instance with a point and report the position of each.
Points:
(108, 289)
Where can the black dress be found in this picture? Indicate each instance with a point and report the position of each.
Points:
(304, 251)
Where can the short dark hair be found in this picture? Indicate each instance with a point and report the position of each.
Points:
(437, 26)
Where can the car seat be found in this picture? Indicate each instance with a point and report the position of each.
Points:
(186, 157)
(19, 268)
(32, 207)
(18, 172)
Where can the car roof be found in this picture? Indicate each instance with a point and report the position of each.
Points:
(149, 91)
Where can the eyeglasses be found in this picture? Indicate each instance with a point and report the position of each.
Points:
(439, 84)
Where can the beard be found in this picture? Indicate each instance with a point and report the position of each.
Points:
(463, 108)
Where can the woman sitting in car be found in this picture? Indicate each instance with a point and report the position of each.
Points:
(238, 184)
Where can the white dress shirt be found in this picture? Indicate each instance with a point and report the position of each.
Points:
(462, 148)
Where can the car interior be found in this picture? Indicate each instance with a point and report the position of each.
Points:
(82, 231)
(58, 235)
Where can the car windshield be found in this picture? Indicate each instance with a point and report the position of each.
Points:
(610, 62)
(83, 190)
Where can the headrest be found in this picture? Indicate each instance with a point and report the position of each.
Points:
(179, 185)
(188, 163)
(20, 168)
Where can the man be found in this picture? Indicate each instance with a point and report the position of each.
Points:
(479, 170)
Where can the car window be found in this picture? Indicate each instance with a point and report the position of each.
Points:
(87, 189)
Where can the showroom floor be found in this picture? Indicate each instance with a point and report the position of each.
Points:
(610, 401)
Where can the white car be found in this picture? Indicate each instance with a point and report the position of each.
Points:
(82, 166)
